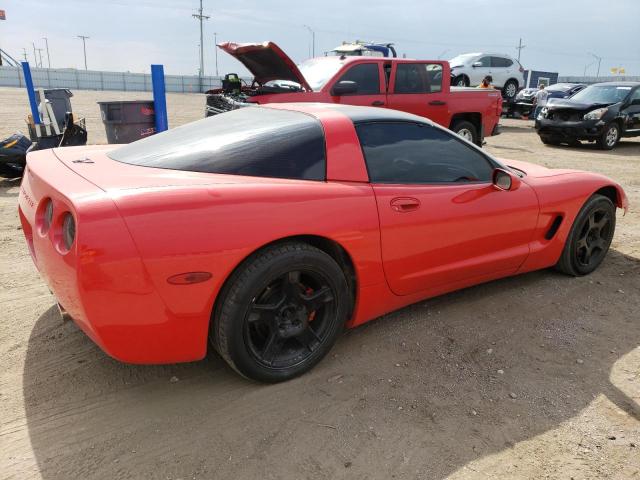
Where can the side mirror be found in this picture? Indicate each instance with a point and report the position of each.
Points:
(504, 180)
(476, 64)
(344, 87)
(636, 101)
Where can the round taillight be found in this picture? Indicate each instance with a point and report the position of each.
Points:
(68, 230)
(47, 217)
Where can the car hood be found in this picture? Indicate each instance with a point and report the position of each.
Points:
(266, 61)
(534, 170)
(567, 103)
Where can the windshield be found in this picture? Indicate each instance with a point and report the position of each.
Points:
(462, 59)
(602, 94)
(318, 71)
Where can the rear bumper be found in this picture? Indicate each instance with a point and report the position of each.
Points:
(576, 130)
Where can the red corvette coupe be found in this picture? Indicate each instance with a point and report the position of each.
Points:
(264, 231)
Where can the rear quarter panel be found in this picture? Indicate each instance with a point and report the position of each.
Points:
(213, 228)
(486, 102)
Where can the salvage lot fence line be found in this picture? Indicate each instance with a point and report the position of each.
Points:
(102, 80)
(141, 82)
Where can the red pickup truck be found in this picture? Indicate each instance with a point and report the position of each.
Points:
(421, 87)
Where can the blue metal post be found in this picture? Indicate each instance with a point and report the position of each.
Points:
(31, 92)
(159, 98)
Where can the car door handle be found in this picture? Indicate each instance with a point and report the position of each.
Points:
(377, 103)
(437, 102)
(405, 204)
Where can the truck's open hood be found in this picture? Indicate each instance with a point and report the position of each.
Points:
(266, 61)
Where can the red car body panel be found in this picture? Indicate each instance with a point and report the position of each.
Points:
(137, 227)
(441, 107)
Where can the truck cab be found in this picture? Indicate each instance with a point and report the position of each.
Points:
(421, 87)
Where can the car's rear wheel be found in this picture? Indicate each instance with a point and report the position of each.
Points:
(510, 89)
(280, 312)
(461, 81)
(466, 130)
(610, 137)
(589, 238)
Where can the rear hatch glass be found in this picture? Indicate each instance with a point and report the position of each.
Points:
(252, 141)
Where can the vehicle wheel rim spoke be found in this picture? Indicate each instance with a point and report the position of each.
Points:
(594, 237)
(317, 299)
(278, 323)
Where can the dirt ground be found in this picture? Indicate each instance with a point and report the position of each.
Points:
(533, 377)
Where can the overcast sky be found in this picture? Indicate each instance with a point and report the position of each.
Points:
(128, 35)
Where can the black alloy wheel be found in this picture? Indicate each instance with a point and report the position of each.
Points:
(280, 312)
(590, 237)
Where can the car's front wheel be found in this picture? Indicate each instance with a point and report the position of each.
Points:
(610, 137)
(280, 312)
(589, 238)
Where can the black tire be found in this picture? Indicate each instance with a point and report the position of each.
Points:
(461, 81)
(610, 137)
(262, 323)
(466, 130)
(510, 89)
(589, 238)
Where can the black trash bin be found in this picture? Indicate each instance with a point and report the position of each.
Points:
(128, 121)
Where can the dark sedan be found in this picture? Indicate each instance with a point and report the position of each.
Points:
(601, 113)
(524, 98)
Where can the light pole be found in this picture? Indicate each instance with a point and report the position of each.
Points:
(201, 18)
(46, 42)
(519, 48)
(215, 43)
(40, 55)
(313, 40)
(35, 57)
(599, 59)
(84, 47)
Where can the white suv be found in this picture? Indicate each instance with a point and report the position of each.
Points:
(470, 68)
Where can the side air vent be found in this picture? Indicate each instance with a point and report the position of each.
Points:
(553, 228)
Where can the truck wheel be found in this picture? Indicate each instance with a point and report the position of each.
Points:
(510, 89)
(466, 130)
(280, 312)
(610, 137)
(589, 238)
(461, 81)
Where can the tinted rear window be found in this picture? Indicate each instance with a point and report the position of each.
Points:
(252, 141)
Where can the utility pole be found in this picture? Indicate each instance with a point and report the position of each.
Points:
(442, 54)
(46, 42)
(519, 48)
(313, 40)
(40, 55)
(35, 58)
(84, 39)
(24, 54)
(599, 59)
(199, 16)
(215, 43)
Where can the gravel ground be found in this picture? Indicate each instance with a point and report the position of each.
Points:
(536, 376)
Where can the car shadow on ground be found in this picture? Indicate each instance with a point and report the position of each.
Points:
(416, 394)
(625, 148)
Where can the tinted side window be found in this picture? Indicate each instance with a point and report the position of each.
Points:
(410, 153)
(501, 62)
(366, 75)
(418, 78)
(253, 141)
(635, 95)
(485, 61)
